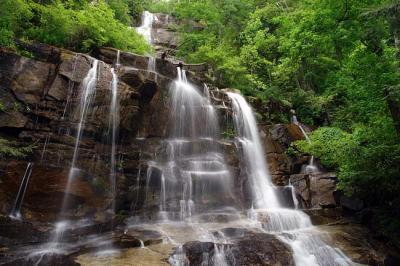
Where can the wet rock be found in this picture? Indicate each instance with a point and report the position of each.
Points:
(250, 249)
(321, 216)
(359, 244)
(12, 119)
(47, 259)
(351, 203)
(27, 78)
(194, 251)
(315, 190)
(19, 232)
(46, 192)
(148, 237)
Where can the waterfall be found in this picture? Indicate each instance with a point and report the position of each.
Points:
(86, 97)
(46, 142)
(89, 87)
(249, 142)
(16, 210)
(194, 168)
(145, 29)
(311, 167)
(291, 226)
(113, 125)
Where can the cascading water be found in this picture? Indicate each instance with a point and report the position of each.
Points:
(311, 167)
(193, 169)
(87, 95)
(249, 142)
(16, 210)
(292, 226)
(146, 28)
(113, 126)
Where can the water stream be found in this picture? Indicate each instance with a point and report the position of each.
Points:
(113, 126)
(311, 167)
(146, 28)
(16, 210)
(292, 226)
(193, 175)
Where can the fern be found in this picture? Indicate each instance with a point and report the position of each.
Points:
(14, 150)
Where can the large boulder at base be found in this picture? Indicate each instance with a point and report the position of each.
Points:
(249, 249)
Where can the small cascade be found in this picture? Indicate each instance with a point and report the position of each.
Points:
(311, 167)
(16, 210)
(86, 98)
(291, 226)
(71, 85)
(294, 197)
(151, 65)
(117, 61)
(146, 28)
(46, 142)
(248, 141)
(113, 126)
(179, 258)
(87, 95)
(192, 171)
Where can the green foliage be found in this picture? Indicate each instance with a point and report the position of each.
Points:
(367, 159)
(14, 150)
(121, 215)
(2, 107)
(77, 25)
(14, 16)
(229, 133)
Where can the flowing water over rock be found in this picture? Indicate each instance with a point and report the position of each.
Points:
(146, 28)
(16, 210)
(113, 127)
(311, 167)
(292, 226)
(192, 172)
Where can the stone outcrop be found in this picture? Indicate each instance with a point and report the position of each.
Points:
(315, 190)
(247, 249)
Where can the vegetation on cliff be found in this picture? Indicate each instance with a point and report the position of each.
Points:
(76, 25)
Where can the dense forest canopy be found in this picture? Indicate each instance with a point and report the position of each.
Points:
(335, 62)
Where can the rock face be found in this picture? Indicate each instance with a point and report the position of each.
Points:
(250, 249)
(41, 96)
(315, 190)
(41, 100)
(277, 139)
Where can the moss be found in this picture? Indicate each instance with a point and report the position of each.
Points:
(14, 150)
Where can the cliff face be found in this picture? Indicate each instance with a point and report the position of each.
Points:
(41, 97)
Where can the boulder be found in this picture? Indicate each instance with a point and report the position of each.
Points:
(315, 190)
(26, 78)
(247, 248)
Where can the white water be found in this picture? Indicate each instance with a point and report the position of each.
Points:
(16, 210)
(87, 95)
(193, 174)
(292, 226)
(44, 147)
(249, 142)
(113, 126)
(146, 28)
(311, 167)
